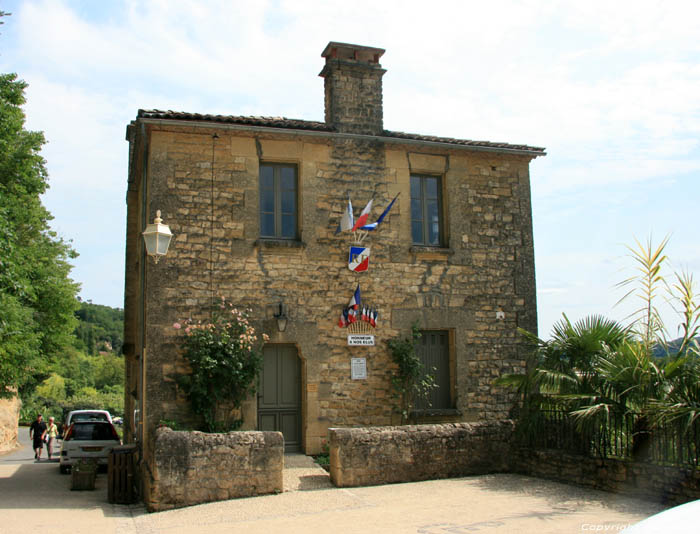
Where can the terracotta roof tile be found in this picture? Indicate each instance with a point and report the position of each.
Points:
(274, 122)
(295, 124)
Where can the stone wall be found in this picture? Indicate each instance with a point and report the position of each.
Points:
(672, 485)
(192, 467)
(9, 419)
(383, 455)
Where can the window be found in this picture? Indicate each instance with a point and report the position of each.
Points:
(278, 201)
(434, 351)
(426, 221)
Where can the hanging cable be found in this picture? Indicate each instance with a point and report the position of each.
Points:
(211, 230)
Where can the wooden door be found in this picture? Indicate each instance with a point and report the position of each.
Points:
(279, 394)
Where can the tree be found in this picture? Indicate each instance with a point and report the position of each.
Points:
(37, 298)
(54, 387)
(110, 371)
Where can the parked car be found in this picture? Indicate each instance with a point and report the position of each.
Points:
(87, 440)
(87, 415)
(683, 518)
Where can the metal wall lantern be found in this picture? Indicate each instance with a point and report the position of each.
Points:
(282, 318)
(157, 238)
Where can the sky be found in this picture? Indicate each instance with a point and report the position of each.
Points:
(611, 89)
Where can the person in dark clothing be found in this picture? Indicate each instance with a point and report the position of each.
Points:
(36, 434)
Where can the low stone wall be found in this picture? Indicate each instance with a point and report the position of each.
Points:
(381, 455)
(672, 485)
(194, 467)
(9, 418)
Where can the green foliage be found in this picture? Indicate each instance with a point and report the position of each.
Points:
(100, 328)
(561, 371)
(109, 371)
(37, 298)
(54, 387)
(77, 381)
(646, 285)
(597, 368)
(110, 399)
(19, 342)
(225, 365)
(411, 382)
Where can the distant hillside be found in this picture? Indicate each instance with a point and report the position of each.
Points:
(673, 346)
(100, 328)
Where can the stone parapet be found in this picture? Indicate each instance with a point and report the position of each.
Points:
(667, 484)
(383, 455)
(193, 467)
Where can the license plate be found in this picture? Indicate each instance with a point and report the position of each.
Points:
(91, 449)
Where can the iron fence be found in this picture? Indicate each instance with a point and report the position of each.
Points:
(628, 436)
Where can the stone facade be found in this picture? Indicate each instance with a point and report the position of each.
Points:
(202, 172)
(193, 468)
(384, 455)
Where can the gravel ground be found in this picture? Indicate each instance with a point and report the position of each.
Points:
(35, 496)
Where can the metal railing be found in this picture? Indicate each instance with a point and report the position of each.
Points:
(627, 436)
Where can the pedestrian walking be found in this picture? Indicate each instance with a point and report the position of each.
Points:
(36, 434)
(50, 436)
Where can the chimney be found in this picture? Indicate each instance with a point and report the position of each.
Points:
(353, 88)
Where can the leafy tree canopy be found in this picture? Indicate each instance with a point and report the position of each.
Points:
(37, 297)
(100, 328)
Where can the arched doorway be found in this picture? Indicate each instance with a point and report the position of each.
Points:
(279, 394)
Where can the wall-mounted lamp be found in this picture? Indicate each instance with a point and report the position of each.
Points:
(281, 317)
(157, 238)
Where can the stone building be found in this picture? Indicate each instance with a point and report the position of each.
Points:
(254, 204)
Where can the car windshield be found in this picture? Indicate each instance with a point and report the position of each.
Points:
(93, 432)
(89, 416)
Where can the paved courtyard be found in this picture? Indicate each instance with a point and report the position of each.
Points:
(35, 496)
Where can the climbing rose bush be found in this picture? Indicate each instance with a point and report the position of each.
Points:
(225, 357)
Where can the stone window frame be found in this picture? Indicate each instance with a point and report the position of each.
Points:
(442, 237)
(278, 238)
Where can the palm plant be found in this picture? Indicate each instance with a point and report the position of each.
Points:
(561, 371)
(596, 369)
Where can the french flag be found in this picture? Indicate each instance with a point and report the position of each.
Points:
(354, 306)
(355, 301)
(343, 321)
(346, 221)
(362, 219)
(373, 226)
(373, 318)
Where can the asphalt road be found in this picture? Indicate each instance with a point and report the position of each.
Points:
(36, 496)
(25, 455)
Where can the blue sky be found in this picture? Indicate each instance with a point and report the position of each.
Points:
(611, 89)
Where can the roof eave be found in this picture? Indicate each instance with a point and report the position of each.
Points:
(533, 153)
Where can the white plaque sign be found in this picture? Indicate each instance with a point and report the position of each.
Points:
(358, 368)
(363, 340)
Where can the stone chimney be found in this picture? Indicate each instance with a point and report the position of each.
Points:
(353, 86)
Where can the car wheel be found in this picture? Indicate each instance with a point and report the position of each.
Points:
(64, 469)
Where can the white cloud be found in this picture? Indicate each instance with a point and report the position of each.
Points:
(610, 88)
